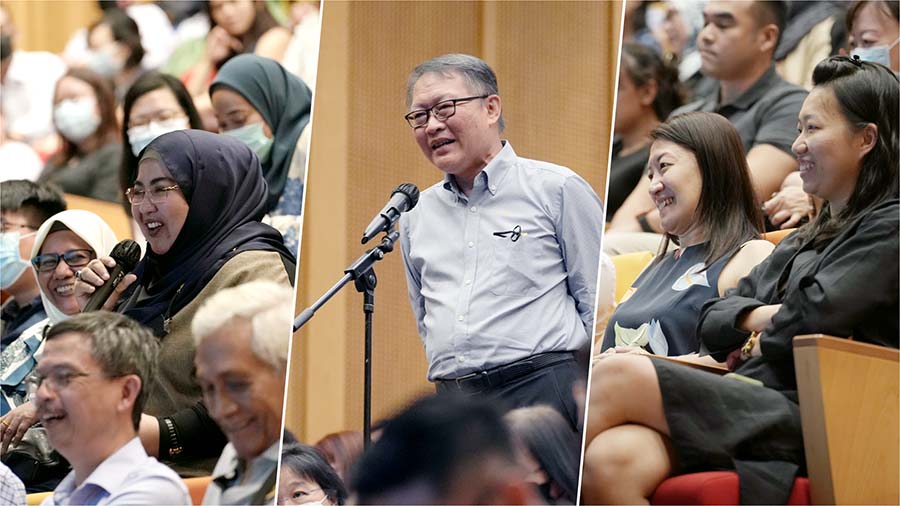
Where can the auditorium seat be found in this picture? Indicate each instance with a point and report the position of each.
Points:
(628, 267)
(113, 214)
(849, 398)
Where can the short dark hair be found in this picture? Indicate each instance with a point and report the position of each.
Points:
(478, 75)
(148, 82)
(308, 463)
(767, 12)
(867, 93)
(107, 131)
(433, 441)
(125, 31)
(39, 201)
(728, 207)
(643, 64)
(120, 345)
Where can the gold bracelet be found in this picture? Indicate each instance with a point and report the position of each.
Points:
(747, 349)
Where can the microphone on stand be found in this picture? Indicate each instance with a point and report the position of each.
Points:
(127, 254)
(404, 198)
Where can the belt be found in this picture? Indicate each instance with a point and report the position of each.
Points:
(501, 375)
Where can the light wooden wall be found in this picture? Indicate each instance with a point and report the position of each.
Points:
(556, 64)
(46, 25)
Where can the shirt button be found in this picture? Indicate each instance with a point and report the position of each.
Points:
(471, 244)
(468, 282)
(460, 317)
(474, 209)
(493, 187)
(461, 358)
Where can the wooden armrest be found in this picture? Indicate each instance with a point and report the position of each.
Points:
(849, 395)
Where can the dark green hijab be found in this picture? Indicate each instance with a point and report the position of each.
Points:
(283, 101)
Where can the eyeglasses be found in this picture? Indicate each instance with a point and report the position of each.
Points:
(55, 380)
(157, 195)
(73, 258)
(441, 111)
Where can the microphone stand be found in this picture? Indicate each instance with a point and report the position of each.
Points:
(361, 272)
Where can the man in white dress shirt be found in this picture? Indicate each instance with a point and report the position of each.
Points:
(90, 391)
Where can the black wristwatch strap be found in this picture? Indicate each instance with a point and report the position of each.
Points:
(171, 437)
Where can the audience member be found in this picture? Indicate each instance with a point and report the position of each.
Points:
(342, 450)
(115, 51)
(301, 57)
(84, 114)
(95, 368)
(19, 160)
(198, 198)
(806, 39)
(12, 491)
(306, 478)
(508, 332)
(648, 91)
(700, 183)
(155, 104)
(634, 26)
(242, 336)
(547, 452)
(874, 32)
(28, 79)
(64, 243)
(257, 101)
(837, 275)
(443, 450)
(24, 206)
(238, 27)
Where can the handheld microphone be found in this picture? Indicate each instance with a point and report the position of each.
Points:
(126, 254)
(404, 198)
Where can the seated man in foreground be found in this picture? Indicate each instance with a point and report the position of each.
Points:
(242, 337)
(90, 392)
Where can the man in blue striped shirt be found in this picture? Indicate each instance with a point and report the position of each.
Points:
(501, 256)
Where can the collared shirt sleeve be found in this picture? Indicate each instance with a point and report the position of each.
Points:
(413, 278)
(579, 228)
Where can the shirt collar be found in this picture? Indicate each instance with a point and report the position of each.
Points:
(233, 467)
(752, 95)
(491, 176)
(111, 473)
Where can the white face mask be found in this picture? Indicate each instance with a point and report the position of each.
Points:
(76, 119)
(140, 136)
(104, 62)
(12, 265)
(876, 54)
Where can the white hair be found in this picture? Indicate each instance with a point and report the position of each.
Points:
(265, 304)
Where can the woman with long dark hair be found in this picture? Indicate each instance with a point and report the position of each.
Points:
(700, 183)
(837, 275)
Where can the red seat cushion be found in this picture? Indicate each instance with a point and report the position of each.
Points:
(714, 487)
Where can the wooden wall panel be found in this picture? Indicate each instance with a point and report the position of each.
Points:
(556, 68)
(46, 25)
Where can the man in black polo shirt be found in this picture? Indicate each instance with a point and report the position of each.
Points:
(25, 205)
(737, 45)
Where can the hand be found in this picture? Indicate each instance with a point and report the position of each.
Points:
(625, 350)
(788, 207)
(15, 423)
(93, 275)
(220, 45)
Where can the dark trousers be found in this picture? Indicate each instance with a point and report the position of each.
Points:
(551, 385)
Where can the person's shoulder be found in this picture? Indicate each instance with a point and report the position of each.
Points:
(153, 482)
(781, 92)
(754, 251)
(250, 266)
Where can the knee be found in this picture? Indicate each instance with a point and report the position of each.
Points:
(613, 382)
(608, 464)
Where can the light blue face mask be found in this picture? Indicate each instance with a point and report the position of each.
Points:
(11, 264)
(252, 135)
(876, 54)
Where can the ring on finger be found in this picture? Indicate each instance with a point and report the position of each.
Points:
(78, 274)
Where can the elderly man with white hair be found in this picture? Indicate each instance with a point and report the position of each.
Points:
(242, 336)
